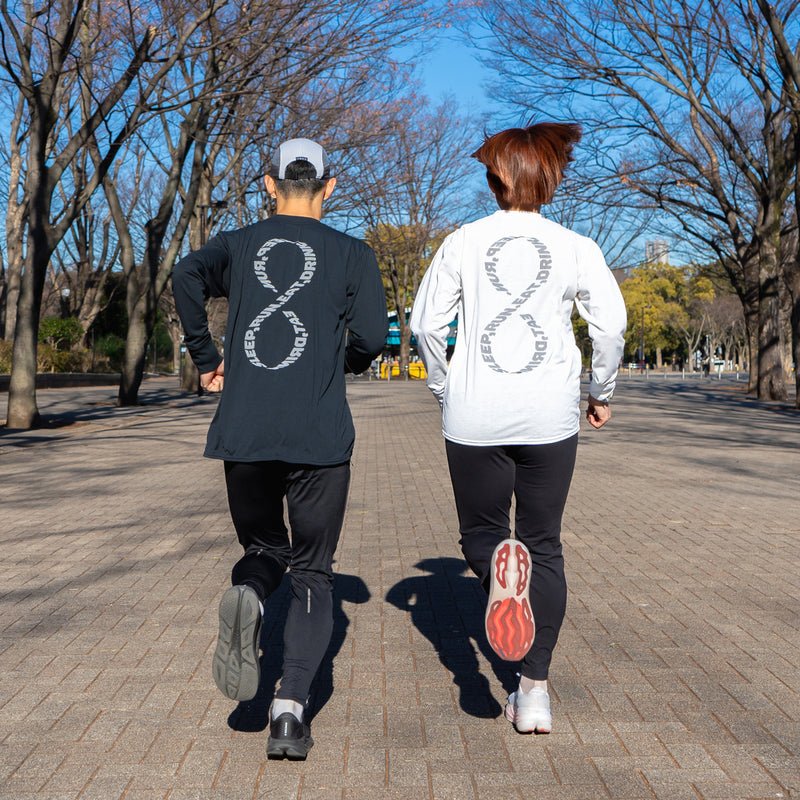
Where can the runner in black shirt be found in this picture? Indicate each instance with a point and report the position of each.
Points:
(306, 305)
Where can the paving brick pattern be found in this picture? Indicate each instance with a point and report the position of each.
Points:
(677, 675)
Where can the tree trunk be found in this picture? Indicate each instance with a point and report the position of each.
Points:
(751, 353)
(796, 350)
(190, 375)
(135, 354)
(15, 225)
(693, 340)
(176, 351)
(23, 412)
(11, 299)
(793, 283)
(771, 384)
(787, 356)
(746, 286)
(405, 347)
(2, 298)
(22, 409)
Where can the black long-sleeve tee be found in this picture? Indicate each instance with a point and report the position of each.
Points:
(306, 305)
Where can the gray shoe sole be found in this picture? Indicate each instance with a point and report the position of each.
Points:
(235, 666)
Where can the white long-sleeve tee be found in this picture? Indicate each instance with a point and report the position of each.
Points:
(512, 279)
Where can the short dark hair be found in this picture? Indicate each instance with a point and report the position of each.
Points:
(524, 166)
(301, 180)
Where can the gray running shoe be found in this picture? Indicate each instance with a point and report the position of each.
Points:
(235, 665)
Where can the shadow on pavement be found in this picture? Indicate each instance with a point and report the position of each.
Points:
(447, 606)
(731, 393)
(253, 715)
(71, 408)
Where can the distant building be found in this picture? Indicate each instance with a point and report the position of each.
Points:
(656, 252)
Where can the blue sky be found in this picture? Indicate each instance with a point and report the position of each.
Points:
(451, 67)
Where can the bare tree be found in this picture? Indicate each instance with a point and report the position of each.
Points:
(689, 102)
(726, 327)
(80, 267)
(411, 191)
(50, 53)
(267, 74)
(596, 207)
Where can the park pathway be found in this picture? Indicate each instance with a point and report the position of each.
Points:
(677, 676)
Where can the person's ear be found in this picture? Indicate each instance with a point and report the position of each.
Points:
(272, 189)
(329, 187)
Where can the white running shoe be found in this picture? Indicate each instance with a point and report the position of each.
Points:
(530, 711)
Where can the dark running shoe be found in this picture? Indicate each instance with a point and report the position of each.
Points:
(288, 738)
(509, 620)
(235, 666)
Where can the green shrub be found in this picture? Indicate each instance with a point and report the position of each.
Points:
(111, 347)
(60, 333)
(49, 359)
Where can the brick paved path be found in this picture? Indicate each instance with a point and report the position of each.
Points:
(677, 675)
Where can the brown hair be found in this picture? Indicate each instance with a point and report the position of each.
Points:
(524, 166)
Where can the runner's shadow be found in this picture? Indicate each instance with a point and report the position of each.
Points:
(447, 606)
(253, 715)
(346, 589)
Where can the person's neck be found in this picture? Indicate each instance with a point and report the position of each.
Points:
(300, 206)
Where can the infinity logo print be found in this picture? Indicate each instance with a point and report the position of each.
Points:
(300, 332)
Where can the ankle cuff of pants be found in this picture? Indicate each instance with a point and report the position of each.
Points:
(533, 674)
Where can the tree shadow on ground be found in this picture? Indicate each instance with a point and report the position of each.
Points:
(447, 606)
(74, 411)
(253, 716)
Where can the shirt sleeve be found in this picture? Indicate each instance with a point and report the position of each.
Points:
(367, 321)
(434, 309)
(202, 274)
(600, 303)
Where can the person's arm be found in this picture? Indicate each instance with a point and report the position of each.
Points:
(434, 309)
(202, 274)
(367, 321)
(599, 302)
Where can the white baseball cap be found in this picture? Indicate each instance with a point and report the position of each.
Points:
(299, 150)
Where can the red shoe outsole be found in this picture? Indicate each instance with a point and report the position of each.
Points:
(509, 620)
(509, 627)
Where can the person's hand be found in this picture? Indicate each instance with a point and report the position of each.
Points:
(597, 412)
(212, 381)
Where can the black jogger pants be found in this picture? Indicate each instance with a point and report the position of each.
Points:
(538, 476)
(315, 499)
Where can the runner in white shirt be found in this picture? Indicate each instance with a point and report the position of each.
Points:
(510, 395)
